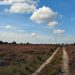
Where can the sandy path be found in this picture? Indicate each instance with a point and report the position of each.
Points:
(45, 63)
(65, 62)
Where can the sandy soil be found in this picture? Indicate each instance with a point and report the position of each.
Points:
(65, 63)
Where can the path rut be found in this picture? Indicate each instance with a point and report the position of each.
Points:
(65, 63)
(45, 63)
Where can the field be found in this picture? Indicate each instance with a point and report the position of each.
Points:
(23, 59)
(55, 66)
(71, 53)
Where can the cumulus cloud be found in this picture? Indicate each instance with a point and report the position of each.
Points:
(6, 1)
(58, 31)
(43, 14)
(21, 8)
(53, 24)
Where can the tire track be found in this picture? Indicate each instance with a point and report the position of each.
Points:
(45, 63)
(65, 63)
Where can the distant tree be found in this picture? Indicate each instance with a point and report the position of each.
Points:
(27, 43)
(5, 42)
(1, 42)
(21, 43)
(74, 43)
(13, 42)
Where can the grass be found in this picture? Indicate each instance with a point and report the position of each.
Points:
(23, 59)
(25, 68)
(71, 53)
(55, 67)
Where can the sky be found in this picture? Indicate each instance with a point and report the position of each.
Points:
(37, 21)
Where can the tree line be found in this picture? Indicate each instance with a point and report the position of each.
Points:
(14, 42)
(1, 42)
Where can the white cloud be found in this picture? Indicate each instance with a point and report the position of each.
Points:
(53, 24)
(6, 1)
(58, 31)
(21, 8)
(23, 37)
(12, 28)
(26, 37)
(43, 14)
(34, 34)
(18, 1)
(9, 27)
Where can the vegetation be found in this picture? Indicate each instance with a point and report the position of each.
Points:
(71, 53)
(19, 59)
(55, 67)
(24, 59)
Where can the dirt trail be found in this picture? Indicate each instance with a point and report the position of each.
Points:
(65, 62)
(45, 63)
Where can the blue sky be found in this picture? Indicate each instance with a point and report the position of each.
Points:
(37, 21)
